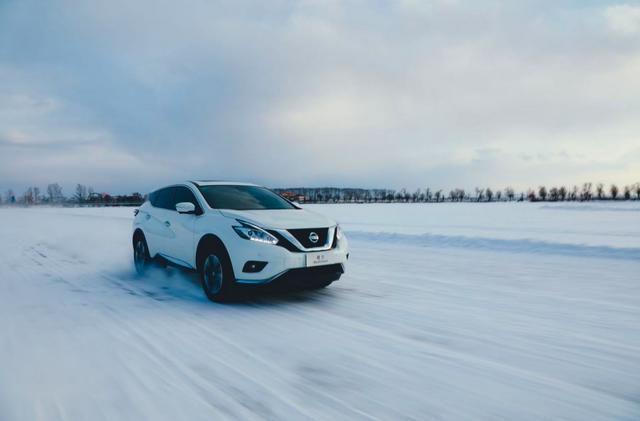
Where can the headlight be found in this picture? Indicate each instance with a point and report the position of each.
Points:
(338, 233)
(253, 233)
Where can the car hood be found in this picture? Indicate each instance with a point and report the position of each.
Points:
(281, 218)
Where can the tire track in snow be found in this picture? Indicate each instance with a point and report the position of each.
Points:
(265, 363)
(500, 245)
(596, 398)
(314, 314)
(65, 271)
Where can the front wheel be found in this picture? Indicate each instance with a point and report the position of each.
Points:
(141, 257)
(217, 276)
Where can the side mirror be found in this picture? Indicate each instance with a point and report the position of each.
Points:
(186, 207)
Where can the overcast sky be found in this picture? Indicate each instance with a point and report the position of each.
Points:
(130, 94)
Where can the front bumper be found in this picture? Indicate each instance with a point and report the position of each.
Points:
(301, 277)
(284, 265)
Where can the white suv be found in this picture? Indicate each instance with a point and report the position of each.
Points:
(237, 233)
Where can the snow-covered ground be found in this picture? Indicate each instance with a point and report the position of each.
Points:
(447, 311)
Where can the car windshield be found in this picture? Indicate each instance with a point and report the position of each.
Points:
(243, 198)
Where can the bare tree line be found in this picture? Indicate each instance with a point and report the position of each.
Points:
(85, 195)
(82, 195)
(480, 194)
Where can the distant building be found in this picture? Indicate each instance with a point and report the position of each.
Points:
(293, 197)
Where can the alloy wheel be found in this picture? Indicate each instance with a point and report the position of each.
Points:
(213, 274)
(140, 255)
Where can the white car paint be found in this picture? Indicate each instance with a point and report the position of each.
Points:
(175, 236)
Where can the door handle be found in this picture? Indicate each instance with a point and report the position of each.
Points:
(167, 223)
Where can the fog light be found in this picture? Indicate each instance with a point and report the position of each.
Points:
(253, 266)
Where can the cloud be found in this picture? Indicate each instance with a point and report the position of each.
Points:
(388, 93)
(624, 19)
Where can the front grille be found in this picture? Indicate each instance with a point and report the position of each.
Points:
(283, 242)
(302, 235)
(300, 277)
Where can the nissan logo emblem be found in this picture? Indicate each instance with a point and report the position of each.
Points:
(313, 237)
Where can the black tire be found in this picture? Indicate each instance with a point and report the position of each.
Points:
(141, 257)
(216, 275)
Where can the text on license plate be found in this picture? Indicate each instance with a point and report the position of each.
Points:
(318, 259)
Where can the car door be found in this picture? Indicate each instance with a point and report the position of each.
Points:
(157, 226)
(182, 247)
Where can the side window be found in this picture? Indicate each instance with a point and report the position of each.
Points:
(183, 194)
(164, 198)
(153, 198)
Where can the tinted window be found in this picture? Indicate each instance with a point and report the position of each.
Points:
(243, 198)
(153, 198)
(183, 194)
(162, 198)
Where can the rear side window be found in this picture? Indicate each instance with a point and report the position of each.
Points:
(163, 198)
(153, 198)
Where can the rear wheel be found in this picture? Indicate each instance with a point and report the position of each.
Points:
(217, 276)
(141, 258)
